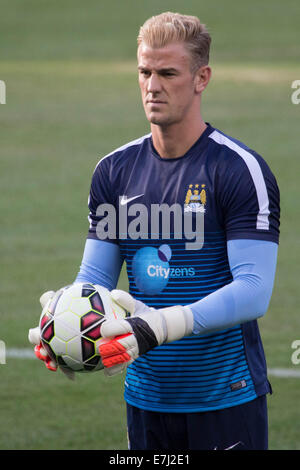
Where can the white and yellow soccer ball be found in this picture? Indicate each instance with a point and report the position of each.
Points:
(70, 325)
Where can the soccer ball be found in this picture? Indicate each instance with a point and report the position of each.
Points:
(70, 325)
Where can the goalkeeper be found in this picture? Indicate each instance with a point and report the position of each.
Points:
(196, 371)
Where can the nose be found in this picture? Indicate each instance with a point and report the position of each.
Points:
(153, 84)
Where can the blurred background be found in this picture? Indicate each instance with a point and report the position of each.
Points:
(72, 97)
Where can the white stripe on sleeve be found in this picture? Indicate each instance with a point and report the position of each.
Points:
(262, 221)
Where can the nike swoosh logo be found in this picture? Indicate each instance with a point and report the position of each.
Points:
(125, 200)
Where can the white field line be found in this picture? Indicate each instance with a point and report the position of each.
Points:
(236, 72)
(27, 353)
(20, 353)
(288, 373)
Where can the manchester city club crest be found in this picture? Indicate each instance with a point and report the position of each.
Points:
(195, 199)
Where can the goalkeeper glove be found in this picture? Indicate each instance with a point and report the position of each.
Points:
(127, 339)
(35, 339)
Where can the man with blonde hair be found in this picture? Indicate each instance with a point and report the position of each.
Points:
(159, 31)
(198, 227)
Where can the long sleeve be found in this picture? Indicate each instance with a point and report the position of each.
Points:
(101, 263)
(253, 265)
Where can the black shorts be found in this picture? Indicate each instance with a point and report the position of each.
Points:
(242, 427)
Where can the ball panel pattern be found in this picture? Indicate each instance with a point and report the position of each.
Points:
(71, 327)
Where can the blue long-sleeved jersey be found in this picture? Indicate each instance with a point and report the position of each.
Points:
(179, 225)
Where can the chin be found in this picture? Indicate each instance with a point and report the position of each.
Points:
(159, 120)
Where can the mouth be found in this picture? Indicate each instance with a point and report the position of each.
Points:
(155, 102)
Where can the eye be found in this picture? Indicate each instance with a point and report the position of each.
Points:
(144, 73)
(168, 73)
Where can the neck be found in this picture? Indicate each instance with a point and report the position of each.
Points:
(175, 140)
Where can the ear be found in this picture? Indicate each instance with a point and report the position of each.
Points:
(202, 77)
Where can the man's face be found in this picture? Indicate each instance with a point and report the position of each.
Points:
(169, 89)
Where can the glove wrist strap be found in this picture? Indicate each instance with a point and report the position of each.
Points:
(179, 322)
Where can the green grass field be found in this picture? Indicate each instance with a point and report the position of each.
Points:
(72, 97)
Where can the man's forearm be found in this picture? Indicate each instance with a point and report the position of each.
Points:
(101, 264)
(253, 265)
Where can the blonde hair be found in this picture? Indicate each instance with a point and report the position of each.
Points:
(166, 28)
